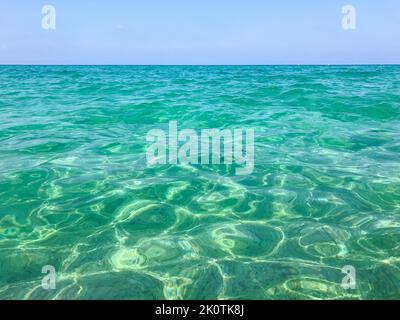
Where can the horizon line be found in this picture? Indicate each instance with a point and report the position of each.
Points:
(196, 65)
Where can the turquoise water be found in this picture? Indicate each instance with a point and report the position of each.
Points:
(76, 192)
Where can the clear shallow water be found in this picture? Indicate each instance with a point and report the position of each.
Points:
(76, 193)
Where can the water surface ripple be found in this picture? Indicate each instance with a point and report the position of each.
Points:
(76, 193)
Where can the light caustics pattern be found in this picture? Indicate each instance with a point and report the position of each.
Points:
(76, 192)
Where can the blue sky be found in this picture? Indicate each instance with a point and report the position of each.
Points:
(199, 32)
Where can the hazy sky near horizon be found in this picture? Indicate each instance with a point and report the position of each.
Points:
(199, 32)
